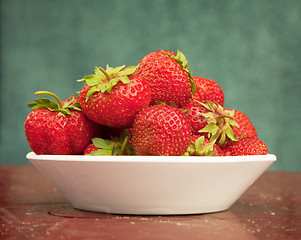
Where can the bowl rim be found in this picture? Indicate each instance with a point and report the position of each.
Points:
(152, 159)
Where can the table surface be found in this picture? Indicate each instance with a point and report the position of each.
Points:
(31, 208)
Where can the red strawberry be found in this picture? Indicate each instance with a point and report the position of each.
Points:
(168, 76)
(207, 89)
(200, 146)
(113, 97)
(90, 149)
(161, 130)
(246, 146)
(58, 129)
(115, 146)
(194, 113)
(246, 128)
(211, 120)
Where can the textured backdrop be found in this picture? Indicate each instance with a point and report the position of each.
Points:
(251, 48)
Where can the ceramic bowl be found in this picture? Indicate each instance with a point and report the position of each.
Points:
(151, 185)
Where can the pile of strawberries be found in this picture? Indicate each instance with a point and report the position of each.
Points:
(154, 108)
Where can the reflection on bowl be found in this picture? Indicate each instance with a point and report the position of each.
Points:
(151, 185)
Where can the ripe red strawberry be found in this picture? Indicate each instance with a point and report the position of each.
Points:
(90, 149)
(115, 146)
(160, 130)
(246, 146)
(211, 120)
(246, 128)
(207, 89)
(113, 97)
(194, 111)
(201, 146)
(168, 77)
(58, 129)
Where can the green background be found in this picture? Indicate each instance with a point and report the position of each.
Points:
(251, 48)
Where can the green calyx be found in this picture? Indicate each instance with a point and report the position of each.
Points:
(181, 59)
(197, 149)
(114, 147)
(220, 123)
(104, 80)
(52, 106)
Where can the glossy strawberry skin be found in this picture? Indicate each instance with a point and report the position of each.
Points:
(208, 89)
(161, 130)
(54, 133)
(168, 81)
(246, 146)
(118, 108)
(246, 128)
(90, 149)
(197, 121)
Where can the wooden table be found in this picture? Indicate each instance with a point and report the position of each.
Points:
(31, 208)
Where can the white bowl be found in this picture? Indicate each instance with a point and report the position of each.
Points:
(151, 185)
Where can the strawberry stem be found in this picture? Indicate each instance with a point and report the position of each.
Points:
(105, 73)
(124, 144)
(59, 102)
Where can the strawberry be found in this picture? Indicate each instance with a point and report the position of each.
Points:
(194, 111)
(113, 97)
(207, 89)
(246, 128)
(211, 120)
(160, 130)
(90, 149)
(246, 146)
(168, 77)
(200, 146)
(113, 147)
(60, 128)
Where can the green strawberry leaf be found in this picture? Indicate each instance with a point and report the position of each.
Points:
(64, 110)
(52, 106)
(128, 71)
(193, 86)
(98, 72)
(31, 105)
(186, 154)
(91, 91)
(115, 146)
(212, 153)
(112, 72)
(125, 79)
(116, 150)
(180, 58)
(101, 152)
(103, 143)
(214, 136)
(199, 143)
(76, 106)
(43, 100)
(92, 80)
(197, 149)
(43, 103)
(207, 149)
(105, 80)
(231, 113)
(223, 138)
(230, 134)
(233, 123)
(209, 128)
